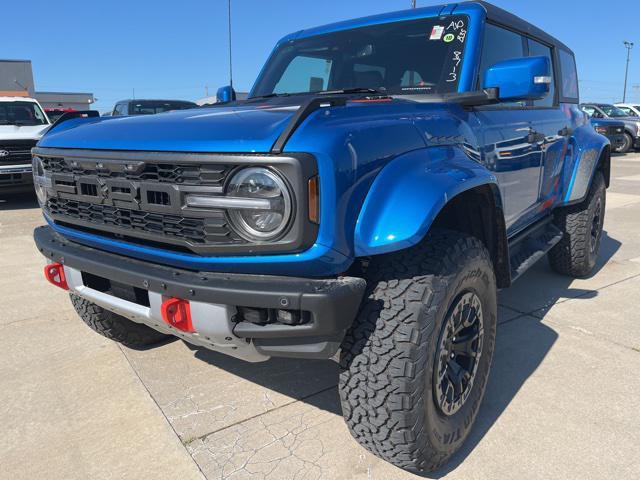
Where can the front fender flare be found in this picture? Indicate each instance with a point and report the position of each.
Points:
(409, 192)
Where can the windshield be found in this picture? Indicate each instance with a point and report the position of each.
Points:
(419, 56)
(612, 111)
(629, 111)
(22, 114)
(54, 115)
(150, 108)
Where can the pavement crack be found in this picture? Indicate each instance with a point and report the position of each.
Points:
(135, 372)
(244, 420)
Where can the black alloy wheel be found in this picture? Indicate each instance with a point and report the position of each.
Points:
(458, 354)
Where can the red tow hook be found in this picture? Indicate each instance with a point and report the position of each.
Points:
(54, 273)
(177, 313)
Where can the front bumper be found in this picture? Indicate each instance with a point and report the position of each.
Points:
(16, 178)
(616, 140)
(329, 304)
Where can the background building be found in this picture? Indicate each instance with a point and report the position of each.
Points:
(16, 80)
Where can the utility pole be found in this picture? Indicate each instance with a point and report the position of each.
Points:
(230, 58)
(413, 3)
(628, 46)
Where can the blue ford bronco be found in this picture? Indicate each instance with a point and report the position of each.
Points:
(385, 177)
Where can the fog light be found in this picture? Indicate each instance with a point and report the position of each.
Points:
(289, 317)
(254, 315)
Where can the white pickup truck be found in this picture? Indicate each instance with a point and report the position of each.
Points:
(22, 123)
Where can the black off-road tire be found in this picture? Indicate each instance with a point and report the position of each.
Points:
(387, 384)
(115, 327)
(626, 146)
(576, 254)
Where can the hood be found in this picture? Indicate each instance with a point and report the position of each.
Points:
(606, 121)
(16, 132)
(241, 128)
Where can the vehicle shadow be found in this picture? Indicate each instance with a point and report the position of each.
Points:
(20, 201)
(299, 379)
(523, 341)
(522, 344)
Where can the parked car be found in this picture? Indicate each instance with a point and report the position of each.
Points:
(55, 113)
(384, 178)
(22, 123)
(149, 107)
(612, 129)
(631, 109)
(632, 124)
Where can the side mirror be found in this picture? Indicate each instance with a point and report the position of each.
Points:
(520, 79)
(226, 94)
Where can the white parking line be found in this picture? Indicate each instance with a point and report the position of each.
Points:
(630, 178)
(618, 200)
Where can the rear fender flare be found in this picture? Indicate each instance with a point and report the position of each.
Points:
(586, 152)
(409, 192)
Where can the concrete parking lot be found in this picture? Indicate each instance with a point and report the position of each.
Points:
(563, 400)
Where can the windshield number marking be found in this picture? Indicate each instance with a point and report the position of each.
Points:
(456, 25)
(457, 58)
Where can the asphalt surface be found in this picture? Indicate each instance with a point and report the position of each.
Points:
(562, 403)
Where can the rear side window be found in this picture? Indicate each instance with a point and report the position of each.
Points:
(569, 82)
(537, 49)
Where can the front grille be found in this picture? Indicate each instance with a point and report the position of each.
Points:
(210, 230)
(182, 174)
(616, 130)
(142, 198)
(16, 152)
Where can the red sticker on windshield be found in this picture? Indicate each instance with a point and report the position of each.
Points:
(436, 33)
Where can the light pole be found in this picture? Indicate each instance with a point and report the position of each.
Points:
(413, 3)
(628, 46)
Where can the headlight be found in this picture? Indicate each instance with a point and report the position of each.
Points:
(601, 130)
(40, 181)
(266, 210)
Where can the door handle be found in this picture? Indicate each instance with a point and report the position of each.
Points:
(565, 132)
(533, 136)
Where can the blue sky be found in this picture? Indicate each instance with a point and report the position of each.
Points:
(172, 49)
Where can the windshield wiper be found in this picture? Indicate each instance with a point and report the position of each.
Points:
(382, 91)
(270, 95)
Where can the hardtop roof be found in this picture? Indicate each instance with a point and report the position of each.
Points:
(508, 19)
(493, 14)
